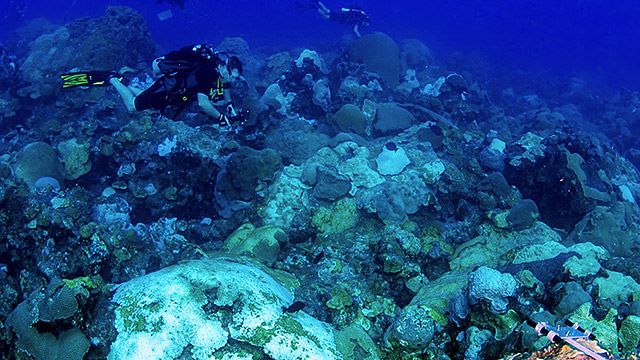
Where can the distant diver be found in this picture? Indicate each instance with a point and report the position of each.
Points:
(175, 2)
(352, 16)
(193, 74)
(13, 12)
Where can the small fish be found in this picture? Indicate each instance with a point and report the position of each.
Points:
(295, 307)
(391, 146)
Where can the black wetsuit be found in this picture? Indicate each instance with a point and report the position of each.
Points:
(176, 2)
(182, 88)
(350, 16)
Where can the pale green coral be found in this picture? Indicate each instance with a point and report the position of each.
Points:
(342, 215)
(436, 294)
(340, 299)
(502, 324)
(617, 287)
(432, 171)
(83, 285)
(605, 330)
(579, 268)
(486, 249)
(379, 305)
(629, 333)
(589, 250)
(262, 243)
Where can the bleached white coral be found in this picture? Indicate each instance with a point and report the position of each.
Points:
(166, 147)
(433, 89)
(199, 306)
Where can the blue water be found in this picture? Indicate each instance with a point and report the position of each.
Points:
(597, 39)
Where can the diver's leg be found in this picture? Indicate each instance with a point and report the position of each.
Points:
(323, 10)
(127, 95)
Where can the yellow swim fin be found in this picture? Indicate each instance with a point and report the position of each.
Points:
(87, 78)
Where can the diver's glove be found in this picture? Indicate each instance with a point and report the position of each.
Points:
(230, 110)
(241, 117)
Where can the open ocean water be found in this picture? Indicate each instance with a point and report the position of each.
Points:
(298, 192)
(595, 38)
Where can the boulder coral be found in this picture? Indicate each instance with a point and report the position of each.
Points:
(350, 119)
(205, 307)
(36, 161)
(380, 54)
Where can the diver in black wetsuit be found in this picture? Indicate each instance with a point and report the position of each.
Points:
(353, 16)
(175, 2)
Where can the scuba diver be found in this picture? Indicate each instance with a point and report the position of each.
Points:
(175, 2)
(192, 74)
(352, 16)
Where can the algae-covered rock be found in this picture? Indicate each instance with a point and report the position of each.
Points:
(355, 344)
(75, 158)
(287, 199)
(263, 243)
(573, 296)
(393, 201)
(244, 171)
(330, 185)
(608, 227)
(248, 167)
(415, 54)
(437, 294)
(350, 119)
(605, 330)
(37, 161)
(342, 215)
(380, 54)
(487, 249)
(492, 286)
(273, 97)
(202, 308)
(412, 329)
(340, 298)
(354, 164)
(501, 324)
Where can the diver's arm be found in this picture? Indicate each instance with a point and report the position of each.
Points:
(356, 30)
